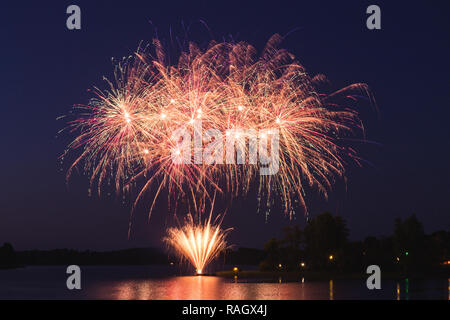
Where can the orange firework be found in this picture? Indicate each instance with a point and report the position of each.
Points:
(126, 133)
(196, 242)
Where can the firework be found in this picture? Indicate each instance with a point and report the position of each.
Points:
(199, 243)
(125, 134)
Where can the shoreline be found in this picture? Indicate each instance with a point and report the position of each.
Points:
(271, 276)
(321, 276)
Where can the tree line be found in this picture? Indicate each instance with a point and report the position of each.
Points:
(323, 245)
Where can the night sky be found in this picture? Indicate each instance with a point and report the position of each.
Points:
(46, 69)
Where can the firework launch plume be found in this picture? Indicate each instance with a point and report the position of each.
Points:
(197, 242)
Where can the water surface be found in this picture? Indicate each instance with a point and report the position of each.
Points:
(163, 283)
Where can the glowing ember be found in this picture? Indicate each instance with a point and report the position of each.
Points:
(198, 243)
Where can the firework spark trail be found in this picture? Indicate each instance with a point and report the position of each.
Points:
(125, 133)
(199, 243)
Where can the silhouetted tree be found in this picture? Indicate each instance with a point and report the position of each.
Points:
(272, 255)
(410, 244)
(325, 240)
(291, 247)
(7, 256)
(379, 252)
(440, 246)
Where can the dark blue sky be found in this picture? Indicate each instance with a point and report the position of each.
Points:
(46, 69)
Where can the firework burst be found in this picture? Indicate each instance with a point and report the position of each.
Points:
(125, 133)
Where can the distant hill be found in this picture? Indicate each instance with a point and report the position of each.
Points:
(135, 256)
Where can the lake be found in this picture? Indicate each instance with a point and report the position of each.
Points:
(165, 283)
